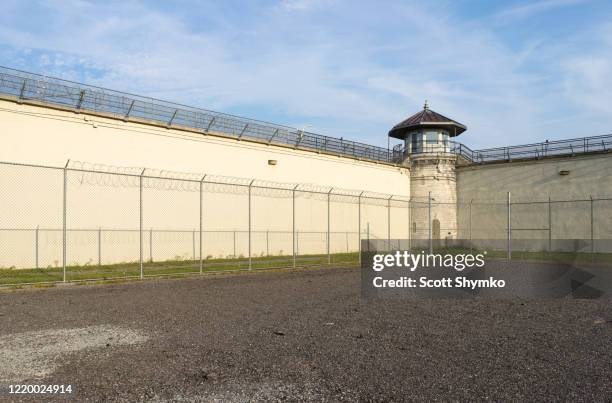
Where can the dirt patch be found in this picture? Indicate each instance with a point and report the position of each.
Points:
(36, 354)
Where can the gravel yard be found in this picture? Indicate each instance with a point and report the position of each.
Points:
(303, 335)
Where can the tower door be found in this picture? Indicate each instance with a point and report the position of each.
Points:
(435, 229)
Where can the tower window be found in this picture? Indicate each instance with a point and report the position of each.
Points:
(415, 142)
(431, 138)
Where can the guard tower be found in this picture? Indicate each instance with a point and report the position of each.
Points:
(429, 152)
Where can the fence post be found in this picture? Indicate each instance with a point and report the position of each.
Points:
(267, 242)
(201, 221)
(409, 227)
(36, 245)
(359, 225)
(509, 229)
(293, 224)
(64, 214)
(471, 200)
(346, 241)
(549, 225)
(328, 227)
(250, 259)
(389, 222)
(193, 248)
(150, 244)
(234, 255)
(592, 226)
(429, 223)
(100, 246)
(140, 234)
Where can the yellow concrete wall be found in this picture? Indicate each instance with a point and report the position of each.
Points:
(32, 197)
(535, 181)
(46, 136)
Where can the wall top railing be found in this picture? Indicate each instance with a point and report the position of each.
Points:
(544, 149)
(63, 93)
(53, 91)
(555, 148)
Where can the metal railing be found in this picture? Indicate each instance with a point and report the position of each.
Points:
(53, 91)
(544, 149)
(399, 151)
(24, 86)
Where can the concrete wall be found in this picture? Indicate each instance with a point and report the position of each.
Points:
(568, 220)
(469, 203)
(433, 173)
(32, 197)
(46, 136)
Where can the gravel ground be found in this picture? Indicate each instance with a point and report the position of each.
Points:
(304, 335)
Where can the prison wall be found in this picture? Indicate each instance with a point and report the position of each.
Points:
(557, 203)
(103, 210)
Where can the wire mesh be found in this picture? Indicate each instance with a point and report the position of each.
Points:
(86, 221)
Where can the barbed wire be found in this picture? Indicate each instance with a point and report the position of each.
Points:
(95, 174)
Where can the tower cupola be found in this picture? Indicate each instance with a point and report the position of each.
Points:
(426, 120)
(427, 132)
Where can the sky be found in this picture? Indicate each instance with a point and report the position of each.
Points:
(513, 72)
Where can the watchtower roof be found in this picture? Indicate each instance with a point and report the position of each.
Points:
(426, 119)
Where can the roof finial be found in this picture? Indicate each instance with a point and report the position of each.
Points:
(425, 107)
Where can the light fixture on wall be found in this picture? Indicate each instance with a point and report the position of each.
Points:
(564, 172)
(272, 162)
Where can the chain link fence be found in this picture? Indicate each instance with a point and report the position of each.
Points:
(550, 228)
(85, 221)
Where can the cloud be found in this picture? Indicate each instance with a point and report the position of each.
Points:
(535, 7)
(587, 73)
(351, 69)
(303, 5)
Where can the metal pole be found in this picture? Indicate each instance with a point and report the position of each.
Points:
(250, 258)
(297, 242)
(389, 222)
(36, 246)
(359, 225)
(388, 148)
(346, 240)
(592, 226)
(64, 207)
(150, 244)
(193, 253)
(234, 244)
(429, 224)
(549, 225)
(509, 230)
(201, 221)
(100, 246)
(267, 242)
(328, 227)
(471, 225)
(140, 234)
(409, 222)
(293, 224)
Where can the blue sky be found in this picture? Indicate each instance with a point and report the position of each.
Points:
(513, 71)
